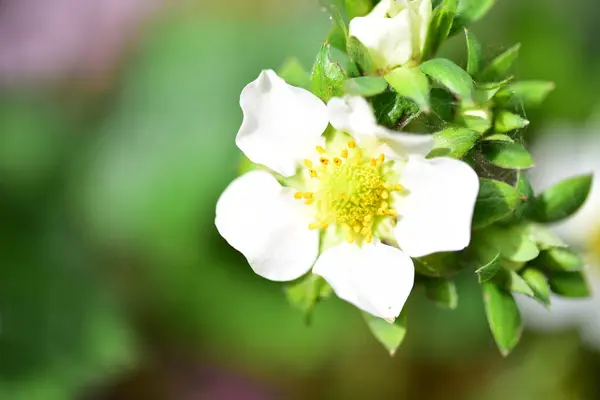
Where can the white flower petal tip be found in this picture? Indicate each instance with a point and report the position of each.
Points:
(436, 214)
(394, 32)
(374, 277)
(261, 220)
(281, 123)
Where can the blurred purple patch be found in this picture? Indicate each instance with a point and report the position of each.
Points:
(50, 40)
(196, 383)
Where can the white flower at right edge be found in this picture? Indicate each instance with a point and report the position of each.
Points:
(354, 204)
(394, 32)
(562, 153)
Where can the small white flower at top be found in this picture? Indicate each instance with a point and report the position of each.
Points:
(341, 195)
(394, 32)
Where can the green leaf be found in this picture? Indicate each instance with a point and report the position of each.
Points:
(561, 200)
(560, 259)
(525, 94)
(538, 284)
(544, 237)
(338, 35)
(437, 264)
(410, 83)
(439, 27)
(390, 335)
(507, 155)
(358, 8)
(474, 54)
(392, 109)
(498, 137)
(454, 142)
(365, 86)
(305, 294)
(294, 73)
(327, 75)
(499, 68)
(507, 121)
(442, 291)
(512, 242)
(513, 282)
(503, 317)
(495, 201)
(526, 194)
(569, 284)
(359, 54)
(468, 12)
(478, 119)
(489, 270)
(450, 75)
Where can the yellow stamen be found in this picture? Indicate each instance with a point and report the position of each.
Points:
(337, 161)
(307, 195)
(314, 226)
(313, 173)
(308, 163)
(298, 195)
(392, 213)
(349, 237)
(356, 228)
(398, 187)
(385, 195)
(320, 150)
(369, 238)
(352, 144)
(374, 162)
(345, 153)
(381, 158)
(309, 201)
(324, 160)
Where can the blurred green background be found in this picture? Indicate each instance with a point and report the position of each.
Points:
(117, 122)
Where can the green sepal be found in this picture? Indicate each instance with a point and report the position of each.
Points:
(561, 200)
(306, 293)
(451, 76)
(294, 73)
(500, 66)
(410, 83)
(495, 201)
(329, 73)
(469, 11)
(538, 283)
(359, 54)
(442, 292)
(569, 284)
(507, 155)
(474, 54)
(454, 142)
(390, 335)
(560, 259)
(439, 27)
(365, 86)
(524, 94)
(503, 317)
(506, 121)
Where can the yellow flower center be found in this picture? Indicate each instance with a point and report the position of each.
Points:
(352, 192)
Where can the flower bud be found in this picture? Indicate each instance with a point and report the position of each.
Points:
(394, 32)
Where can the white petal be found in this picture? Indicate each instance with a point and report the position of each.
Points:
(375, 277)
(282, 123)
(353, 115)
(406, 143)
(389, 40)
(264, 222)
(436, 214)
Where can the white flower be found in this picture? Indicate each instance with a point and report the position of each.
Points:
(394, 32)
(356, 202)
(562, 153)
